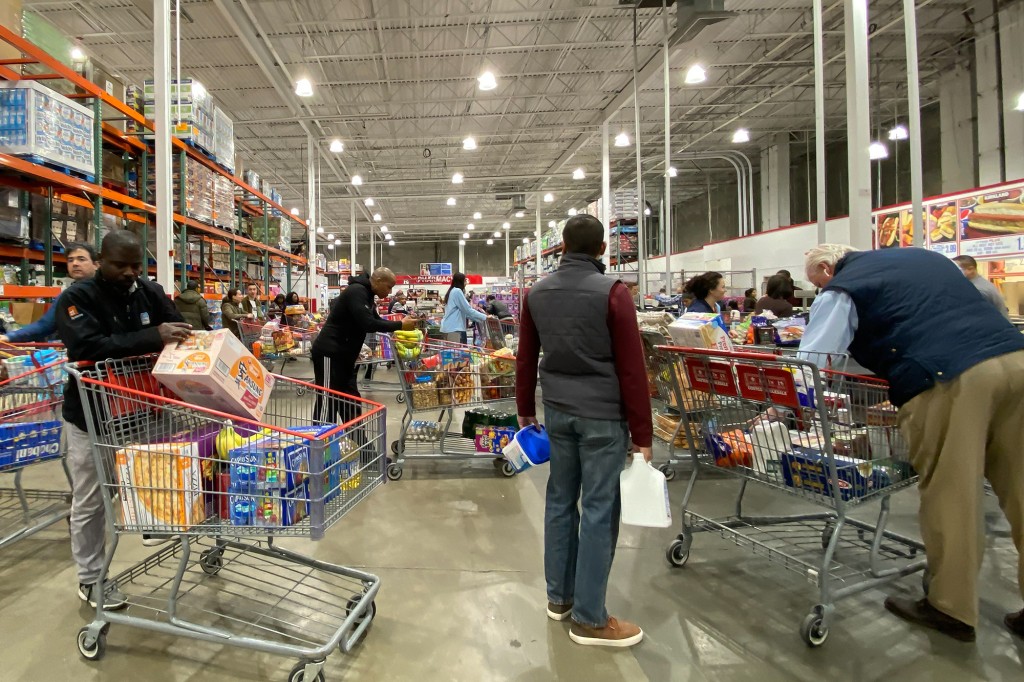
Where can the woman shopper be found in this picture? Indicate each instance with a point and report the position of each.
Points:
(778, 291)
(708, 291)
(231, 311)
(276, 307)
(749, 300)
(457, 309)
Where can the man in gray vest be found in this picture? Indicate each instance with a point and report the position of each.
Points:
(596, 400)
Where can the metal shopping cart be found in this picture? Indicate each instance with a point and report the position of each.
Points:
(275, 348)
(229, 487)
(31, 399)
(441, 377)
(667, 420)
(824, 437)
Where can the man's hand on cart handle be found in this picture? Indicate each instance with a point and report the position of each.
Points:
(528, 421)
(172, 332)
(409, 323)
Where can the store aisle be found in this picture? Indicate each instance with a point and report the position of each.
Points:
(459, 552)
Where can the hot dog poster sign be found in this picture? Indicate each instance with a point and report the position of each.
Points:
(992, 224)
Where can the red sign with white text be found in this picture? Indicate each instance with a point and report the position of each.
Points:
(416, 280)
(768, 384)
(712, 377)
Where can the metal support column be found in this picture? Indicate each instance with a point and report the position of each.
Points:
(641, 222)
(202, 265)
(266, 242)
(162, 118)
(312, 218)
(606, 191)
(462, 256)
(666, 200)
(182, 206)
(914, 115)
(858, 122)
(373, 252)
(819, 120)
(508, 263)
(144, 196)
(233, 256)
(97, 164)
(352, 239)
(536, 236)
(48, 238)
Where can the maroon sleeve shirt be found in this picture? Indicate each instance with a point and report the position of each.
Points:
(629, 365)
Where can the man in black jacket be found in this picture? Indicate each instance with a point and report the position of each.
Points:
(114, 315)
(335, 351)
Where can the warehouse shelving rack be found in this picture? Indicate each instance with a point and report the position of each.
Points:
(33, 178)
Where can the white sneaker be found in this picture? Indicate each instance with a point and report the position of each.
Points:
(155, 540)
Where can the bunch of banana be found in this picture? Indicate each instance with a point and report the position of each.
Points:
(407, 344)
(228, 439)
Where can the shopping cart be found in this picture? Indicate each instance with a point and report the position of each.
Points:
(381, 356)
(31, 399)
(276, 347)
(490, 334)
(229, 487)
(667, 420)
(824, 437)
(442, 377)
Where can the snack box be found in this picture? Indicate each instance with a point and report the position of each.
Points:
(808, 469)
(493, 439)
(700, 330)
(214, 370)
(161, 485)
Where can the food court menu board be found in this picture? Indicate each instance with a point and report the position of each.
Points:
(992, 224)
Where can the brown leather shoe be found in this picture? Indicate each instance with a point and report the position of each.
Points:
(1015, 621)
(923, 613)
(616, 633)
(559, 612)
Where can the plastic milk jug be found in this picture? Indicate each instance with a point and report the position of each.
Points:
(644, 495)
(770, 440)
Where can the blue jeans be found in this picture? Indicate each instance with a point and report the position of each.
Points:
(587, 456)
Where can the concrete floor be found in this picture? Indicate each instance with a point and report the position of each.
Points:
(459, 552)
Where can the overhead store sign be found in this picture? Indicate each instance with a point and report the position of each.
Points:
(410, 280)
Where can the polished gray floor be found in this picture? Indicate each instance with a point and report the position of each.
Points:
(459, 551)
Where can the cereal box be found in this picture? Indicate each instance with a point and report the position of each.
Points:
(214, 370)
(161, 485)
(493, 439)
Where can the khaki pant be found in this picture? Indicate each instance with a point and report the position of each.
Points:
(960, 433)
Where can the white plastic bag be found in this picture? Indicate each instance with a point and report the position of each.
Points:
(644, 493)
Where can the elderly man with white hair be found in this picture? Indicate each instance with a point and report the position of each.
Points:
(955, 368)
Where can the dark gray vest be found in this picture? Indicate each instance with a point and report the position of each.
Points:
(570, 310)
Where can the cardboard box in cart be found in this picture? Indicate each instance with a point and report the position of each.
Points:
(214, 370)
(700, 330)
(161, 484)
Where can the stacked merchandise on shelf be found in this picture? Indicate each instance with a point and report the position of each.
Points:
(43, 126)
(252, 178)
(223, 139)
(135, 98)
(191, 106)
(200, 183)
(223, 201)
(280, 232)
(13, 217)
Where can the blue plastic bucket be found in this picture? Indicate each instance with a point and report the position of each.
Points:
(529, 447)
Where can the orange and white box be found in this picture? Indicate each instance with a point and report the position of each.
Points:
(214, 370)
(161, 485)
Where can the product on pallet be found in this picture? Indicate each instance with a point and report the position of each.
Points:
(192, 109)
(223, 139)
(38, 123)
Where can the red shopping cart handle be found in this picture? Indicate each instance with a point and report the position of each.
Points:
(720, 353)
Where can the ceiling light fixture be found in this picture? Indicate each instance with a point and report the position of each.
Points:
(462, 242)
(899, 133)
(295, 211)
(304, 87)
(578, 174)
(520, 214)
(376, 217)
(647, 211)
(77, 54)
(878, 151)
(695, 75)
(330, 246)
(573, 211)
(368, 201)
(490, 242)
(465, 235)
(384, 229)
(457, 179)
(471, 226)
(506, 225)
(497, 234)
(451, 201)
(741, 136)
(469, 144)
(672, 172)
(622, 140)
(549, 197)
(319, 230)
(391, 243)
(337, 242)
(526, 240)
(552, 224)
(357, 180)
(477, 215)
(330, 236)
(487, 81)
(337, 146)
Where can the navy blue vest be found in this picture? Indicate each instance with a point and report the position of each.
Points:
(920, 321)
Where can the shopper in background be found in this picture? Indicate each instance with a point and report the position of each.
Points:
(292, 320)
(192, 306)
(251, 303)
(337, 347)
(955, 370)
(596, 400)
(231, 312)
(497, 308)
(749, 300)
(82, 265)
(276, 308)
(708, 291)
(457, 309)
(115, 314)
(399, 304)
(777, 292)
(969, 267)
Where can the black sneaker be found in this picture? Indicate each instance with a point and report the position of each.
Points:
(113, 598)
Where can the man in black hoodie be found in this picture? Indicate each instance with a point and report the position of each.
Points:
(353, 315)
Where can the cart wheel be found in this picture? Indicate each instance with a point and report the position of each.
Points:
(211, 561)
(678, 553)
(400, 398)
(669, 472)
(298, 674)
(813, 631)
(91, 649)
(498, 461)
(397, 447)
(507, 470)
(826, 535)
(394, 471)
(353, 603)
(861, 535)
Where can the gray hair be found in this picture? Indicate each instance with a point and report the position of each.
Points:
(826, 254)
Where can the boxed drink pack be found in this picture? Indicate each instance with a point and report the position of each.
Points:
(25, 442)
(214, 370)
(808, 469)
(700, 330)
(161, 484)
